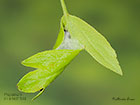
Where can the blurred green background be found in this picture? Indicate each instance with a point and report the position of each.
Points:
(31, 26)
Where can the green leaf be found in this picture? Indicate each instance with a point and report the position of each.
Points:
(37, 80)
(51, 60)
(95, 44)
(50, 64)
(60, 36)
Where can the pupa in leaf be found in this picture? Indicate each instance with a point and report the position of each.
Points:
(75, 35)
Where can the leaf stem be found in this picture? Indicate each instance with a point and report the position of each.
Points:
(64, 7)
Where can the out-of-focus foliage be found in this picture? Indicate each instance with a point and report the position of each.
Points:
(30, 26)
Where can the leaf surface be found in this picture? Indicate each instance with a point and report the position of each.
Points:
(95, 44)
(36, 80)
(51, 60)
(60, 36)
(50, 64)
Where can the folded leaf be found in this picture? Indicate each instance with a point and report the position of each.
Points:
(50, 64)
(37, 80)
(60, 36)
(51, 60)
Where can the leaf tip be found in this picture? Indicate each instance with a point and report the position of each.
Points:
(19, 87)
(41, 91)
(119, 71)
(23, 62)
